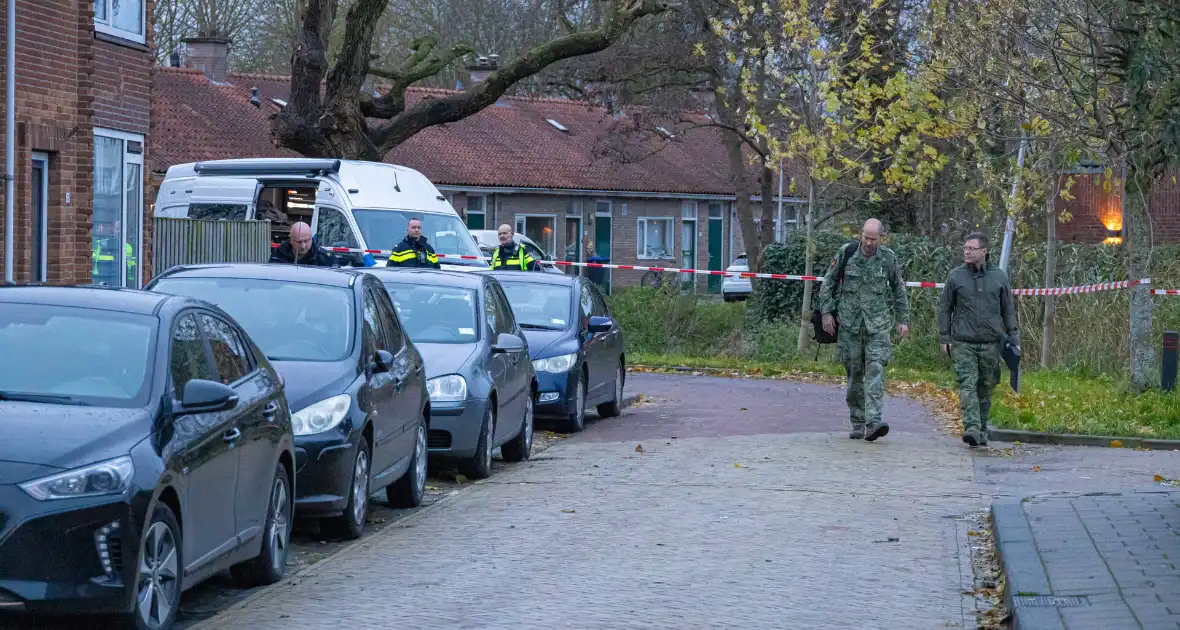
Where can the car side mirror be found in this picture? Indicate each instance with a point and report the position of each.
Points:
(201, 396)
(601, 324)
(507, 342)
(382, 362)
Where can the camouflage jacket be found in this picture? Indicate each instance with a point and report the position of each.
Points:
(873, 291)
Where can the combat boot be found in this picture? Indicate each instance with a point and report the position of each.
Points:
(876, 430)
(857, 433)
(972, 438)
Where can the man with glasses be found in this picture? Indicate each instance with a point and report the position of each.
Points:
(976, 317)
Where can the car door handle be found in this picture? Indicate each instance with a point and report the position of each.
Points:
(270, 410)
(232, 435)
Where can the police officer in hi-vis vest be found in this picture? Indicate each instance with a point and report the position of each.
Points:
(510, 255)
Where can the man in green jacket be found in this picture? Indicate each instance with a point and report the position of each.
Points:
(867, 301)
(976, 317)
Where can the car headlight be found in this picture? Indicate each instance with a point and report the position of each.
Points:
(556, 365)
(109, 477)
(449, 388)
(322, 416)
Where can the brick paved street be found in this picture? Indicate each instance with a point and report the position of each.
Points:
(748, 507)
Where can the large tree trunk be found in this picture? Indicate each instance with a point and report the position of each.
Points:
(805, 312)
(1136, 228)
(1050, 276)
(335, 124)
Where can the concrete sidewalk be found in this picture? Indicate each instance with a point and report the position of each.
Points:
(1098, 560)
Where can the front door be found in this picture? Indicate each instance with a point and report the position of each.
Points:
(715, 241)
(388, 443)
(208, 452)
(602, 248)
(40, 215)
(407, 389)
(505, 366)
(256, 415)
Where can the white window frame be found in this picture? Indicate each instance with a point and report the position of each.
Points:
(104, 25)
(128, 158)
(669, 238)
(483, 205)
(520, 225)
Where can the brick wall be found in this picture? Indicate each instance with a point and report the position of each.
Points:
(60, 68)
(1092, 209)
(624, 232)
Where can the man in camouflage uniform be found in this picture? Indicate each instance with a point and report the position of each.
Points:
(976, 317)
(869, 299)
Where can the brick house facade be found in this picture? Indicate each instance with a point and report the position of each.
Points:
(83, 113)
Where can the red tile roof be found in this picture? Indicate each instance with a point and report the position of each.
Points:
(510, 144)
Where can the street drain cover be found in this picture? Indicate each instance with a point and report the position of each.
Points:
(1050, 601)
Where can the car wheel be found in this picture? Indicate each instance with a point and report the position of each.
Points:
(479, 466)
(351, 524)
(577, 420)
(270, 565)
(614, 407)
(409, 491)
(521, 446)
(158, 575)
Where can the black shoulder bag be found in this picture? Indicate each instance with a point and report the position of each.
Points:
(817, 316)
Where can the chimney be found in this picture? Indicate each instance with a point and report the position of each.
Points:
(483, 67)
(210, 55)
(174, 59)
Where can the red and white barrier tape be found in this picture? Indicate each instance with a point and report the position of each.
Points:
(1086, 288)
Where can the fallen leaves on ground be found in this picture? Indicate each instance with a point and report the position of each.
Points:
(737, 465)
(568, 511)
(638, 448)
(1036, 469)
(460, 478)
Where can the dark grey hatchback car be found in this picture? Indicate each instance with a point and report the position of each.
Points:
(147, 446)
(481, 382)
(354, 379)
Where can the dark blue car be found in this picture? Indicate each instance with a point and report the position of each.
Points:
(576, 347)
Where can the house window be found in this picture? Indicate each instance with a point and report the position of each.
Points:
(118, 209)
(121, 18)
(541, 229)
(654, 238)
(476, 212)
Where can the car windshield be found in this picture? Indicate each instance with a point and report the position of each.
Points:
(382, 229)
(432, 314)
(290, 321)
(61, 354)
(545, 306)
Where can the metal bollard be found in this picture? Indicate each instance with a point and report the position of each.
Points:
(1168, 371)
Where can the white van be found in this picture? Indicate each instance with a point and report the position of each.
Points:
(354, 204)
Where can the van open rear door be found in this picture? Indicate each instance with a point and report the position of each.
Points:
(224, 198)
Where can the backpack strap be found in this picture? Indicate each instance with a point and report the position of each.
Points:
(849, 250)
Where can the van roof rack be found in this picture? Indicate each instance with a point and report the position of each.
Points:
(291, 166)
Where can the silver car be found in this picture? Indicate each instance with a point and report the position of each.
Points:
(480, 378)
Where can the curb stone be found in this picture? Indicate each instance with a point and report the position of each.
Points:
(356, 546)
(1070, 439)
(1025, 574)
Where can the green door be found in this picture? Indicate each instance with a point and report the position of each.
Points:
(601, 250)
(715, 263)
